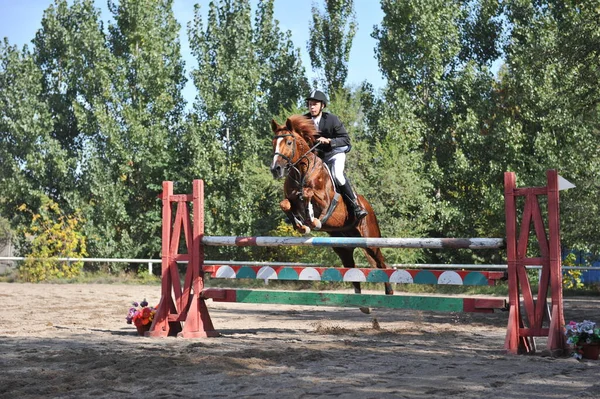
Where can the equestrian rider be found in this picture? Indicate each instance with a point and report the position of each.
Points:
(335, 143)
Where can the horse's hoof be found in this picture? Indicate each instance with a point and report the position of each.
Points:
(316, 224)
(365, 310)
(375, 324)
(305, 230)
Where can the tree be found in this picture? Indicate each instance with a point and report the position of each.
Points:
(282, 76)
(439, 54)
(550, 98)
(77, 69)
(134, 149)
(245, 75)
(418, 42)
(331, 35)
(391, 166)
(116, 105)
(32, 159)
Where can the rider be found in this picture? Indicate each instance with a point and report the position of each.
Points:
(335, 143)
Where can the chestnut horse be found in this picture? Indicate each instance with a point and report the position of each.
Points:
(311, 201)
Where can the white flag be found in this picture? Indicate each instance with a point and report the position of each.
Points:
(564, 184)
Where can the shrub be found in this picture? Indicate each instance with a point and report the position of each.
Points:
(51, 235)
(571, 278)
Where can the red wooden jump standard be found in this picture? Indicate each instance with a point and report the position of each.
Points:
(188, 306)
(523, 327)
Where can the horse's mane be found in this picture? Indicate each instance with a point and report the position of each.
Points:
(303, 126)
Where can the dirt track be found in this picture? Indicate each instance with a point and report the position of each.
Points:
(71, 341)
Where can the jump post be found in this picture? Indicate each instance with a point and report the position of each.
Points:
(528, 316)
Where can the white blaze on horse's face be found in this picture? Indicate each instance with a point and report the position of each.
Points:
(283, 157)
(277, 169)
(276, 155)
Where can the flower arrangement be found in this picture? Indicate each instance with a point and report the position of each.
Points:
(141, 314)
(579, 334)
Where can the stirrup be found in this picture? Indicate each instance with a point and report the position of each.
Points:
(360, 213)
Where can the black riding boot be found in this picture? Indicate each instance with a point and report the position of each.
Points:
(351, 201)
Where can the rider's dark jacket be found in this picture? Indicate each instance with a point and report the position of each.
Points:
(332, 128)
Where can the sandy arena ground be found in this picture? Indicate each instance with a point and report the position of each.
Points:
(71, 341)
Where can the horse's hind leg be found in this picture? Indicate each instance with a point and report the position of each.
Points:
(370, 228)
(375, 259)
(346, 255)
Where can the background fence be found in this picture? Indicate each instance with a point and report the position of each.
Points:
(590, 264)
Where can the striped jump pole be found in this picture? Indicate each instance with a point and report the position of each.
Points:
(354, 242)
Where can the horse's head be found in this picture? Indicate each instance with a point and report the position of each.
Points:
(290, 142)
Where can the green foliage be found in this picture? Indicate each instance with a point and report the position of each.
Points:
(391, 167)
(50, 235)
(32, 160)
(571, 278)
(282, 76)
(143, 277)
(6, 233)
(92, 118)
(550, 97)
(146, 109)
(442, 81)
(283, 254)
(331, 35)
(536, 115)
(418, 42)
(245, 75)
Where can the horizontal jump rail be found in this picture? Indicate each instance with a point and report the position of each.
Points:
(310, 298)
(357, 242)
(368, 275)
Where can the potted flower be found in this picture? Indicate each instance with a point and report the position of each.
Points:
(585, 338)
(141, 315)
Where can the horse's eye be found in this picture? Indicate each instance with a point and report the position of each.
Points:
(289, 142)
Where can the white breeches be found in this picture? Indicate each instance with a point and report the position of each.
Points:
(336, 164)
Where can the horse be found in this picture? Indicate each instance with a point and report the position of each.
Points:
(311, 201)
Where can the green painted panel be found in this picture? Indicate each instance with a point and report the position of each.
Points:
(475, 278)
(425, 277)
(287, 273)
(441, 304)
(377, 276)
(332, 275)
(245, 272)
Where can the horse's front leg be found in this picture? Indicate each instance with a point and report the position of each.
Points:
(286, 207)
(314, 222)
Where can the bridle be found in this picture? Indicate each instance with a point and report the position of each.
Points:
(291, 165)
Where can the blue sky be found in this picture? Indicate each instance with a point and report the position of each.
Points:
(20, 20)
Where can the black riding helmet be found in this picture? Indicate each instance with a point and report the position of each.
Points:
(317, 95)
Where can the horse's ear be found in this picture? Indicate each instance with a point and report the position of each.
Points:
(274, 125)
(289, 125)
